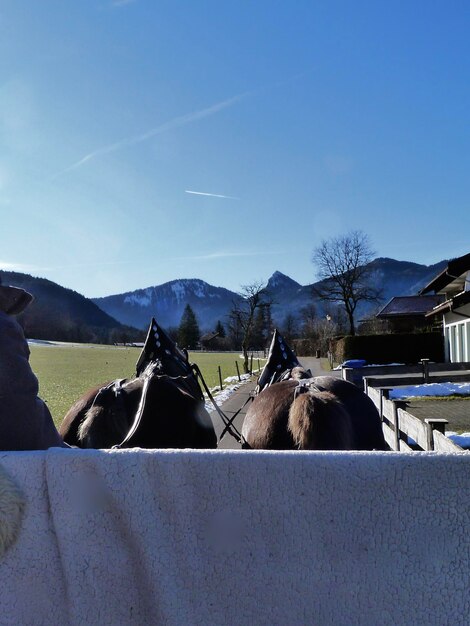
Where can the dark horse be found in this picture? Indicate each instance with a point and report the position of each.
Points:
(294, 410)
(162, 407)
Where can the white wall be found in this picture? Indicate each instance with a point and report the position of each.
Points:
(457, 335)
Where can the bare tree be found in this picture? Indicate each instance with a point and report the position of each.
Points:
(289, 327)
(243, 313)
(342, 266)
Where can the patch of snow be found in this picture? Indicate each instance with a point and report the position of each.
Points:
(430, 389)
(143, 300)
(199, 290)
(41, 342)
(179, 290)
(221, 396)
(338, 367)
(383, 364)
(462, 440)
(234, 379)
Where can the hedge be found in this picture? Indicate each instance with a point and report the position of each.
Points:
(394, 348)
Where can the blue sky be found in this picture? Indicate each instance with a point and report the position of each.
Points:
(299, 120)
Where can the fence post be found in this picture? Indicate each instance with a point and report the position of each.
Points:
(425, 364)
(383, 393)
(330, 359)
(432, 424)
(220, 379)
(259, 366)
(238, 371)
(397, 404)
(251, 363)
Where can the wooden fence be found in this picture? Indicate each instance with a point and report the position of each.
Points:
(404, 431)
(423, 372)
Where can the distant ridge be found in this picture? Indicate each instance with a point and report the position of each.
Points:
(61, 314)
(166, 302)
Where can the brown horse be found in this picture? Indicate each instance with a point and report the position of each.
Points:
(320, 413)
(152, 410)
(171, 417)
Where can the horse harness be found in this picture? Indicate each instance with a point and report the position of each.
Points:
(187, 383)
(147, 375)
(305, 385)
(116, 387)
(229, 426)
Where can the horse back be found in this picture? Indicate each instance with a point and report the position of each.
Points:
(365, 418)
(70, 425)
(173, 418)
(265, 423)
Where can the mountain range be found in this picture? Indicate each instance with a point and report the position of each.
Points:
(62, 314)
(166, 302)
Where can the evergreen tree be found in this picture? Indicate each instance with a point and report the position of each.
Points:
(188, 330)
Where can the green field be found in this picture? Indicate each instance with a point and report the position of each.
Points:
(65, 372)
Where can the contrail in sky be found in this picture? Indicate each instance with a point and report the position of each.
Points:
(176, 122)
(212, 195)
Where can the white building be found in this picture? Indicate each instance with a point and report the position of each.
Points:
(454, 284)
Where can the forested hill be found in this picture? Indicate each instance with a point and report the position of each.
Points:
(60, 314)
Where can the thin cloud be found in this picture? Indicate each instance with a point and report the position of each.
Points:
(176, 122)
(211, 195)
(7, 266)
(222, 255)
(121, 3)
(22, 267)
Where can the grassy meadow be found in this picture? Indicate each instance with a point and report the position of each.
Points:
(66, 371)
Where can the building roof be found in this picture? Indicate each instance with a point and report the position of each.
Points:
(209, 336)
(452, 277)
(450, 305)
(406, 306)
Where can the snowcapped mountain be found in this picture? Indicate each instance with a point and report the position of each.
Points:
(167, 302)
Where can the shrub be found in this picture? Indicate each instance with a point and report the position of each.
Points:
(396, 348)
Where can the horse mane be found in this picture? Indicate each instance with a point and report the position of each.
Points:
(319, 421)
